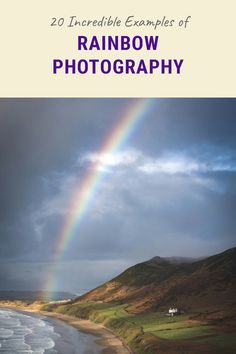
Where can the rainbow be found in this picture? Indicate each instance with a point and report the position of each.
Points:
(87, 189)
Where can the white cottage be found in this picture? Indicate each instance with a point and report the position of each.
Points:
(173, 311)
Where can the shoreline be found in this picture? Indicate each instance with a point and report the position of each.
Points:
(108, 340)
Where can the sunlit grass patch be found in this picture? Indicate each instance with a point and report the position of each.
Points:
(184, 333)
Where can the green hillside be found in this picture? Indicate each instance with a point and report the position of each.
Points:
(135, 303)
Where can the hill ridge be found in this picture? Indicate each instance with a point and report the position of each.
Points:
(206, 284)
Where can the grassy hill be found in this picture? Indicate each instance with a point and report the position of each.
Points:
(134, 305)
(205, 285)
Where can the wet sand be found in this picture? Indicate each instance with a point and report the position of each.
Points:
(106, 338)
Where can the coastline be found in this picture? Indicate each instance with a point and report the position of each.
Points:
(108, 340)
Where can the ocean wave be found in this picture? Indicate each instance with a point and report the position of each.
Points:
(24, 334)
(30, 333)
(5, 333)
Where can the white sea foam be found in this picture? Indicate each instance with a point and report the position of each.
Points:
(5, 333)
(23, 334)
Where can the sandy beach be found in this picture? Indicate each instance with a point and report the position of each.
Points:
(110, 343)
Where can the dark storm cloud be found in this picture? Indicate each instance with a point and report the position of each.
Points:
(170, 191)
(39, 136)
(42, 136)
(184, 123)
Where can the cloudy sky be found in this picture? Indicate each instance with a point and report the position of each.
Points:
(170, 191)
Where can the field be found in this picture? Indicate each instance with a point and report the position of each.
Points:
(145, 332)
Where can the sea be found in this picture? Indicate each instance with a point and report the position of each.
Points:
(30, 333)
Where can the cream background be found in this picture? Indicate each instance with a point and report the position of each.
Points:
(29, 43)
